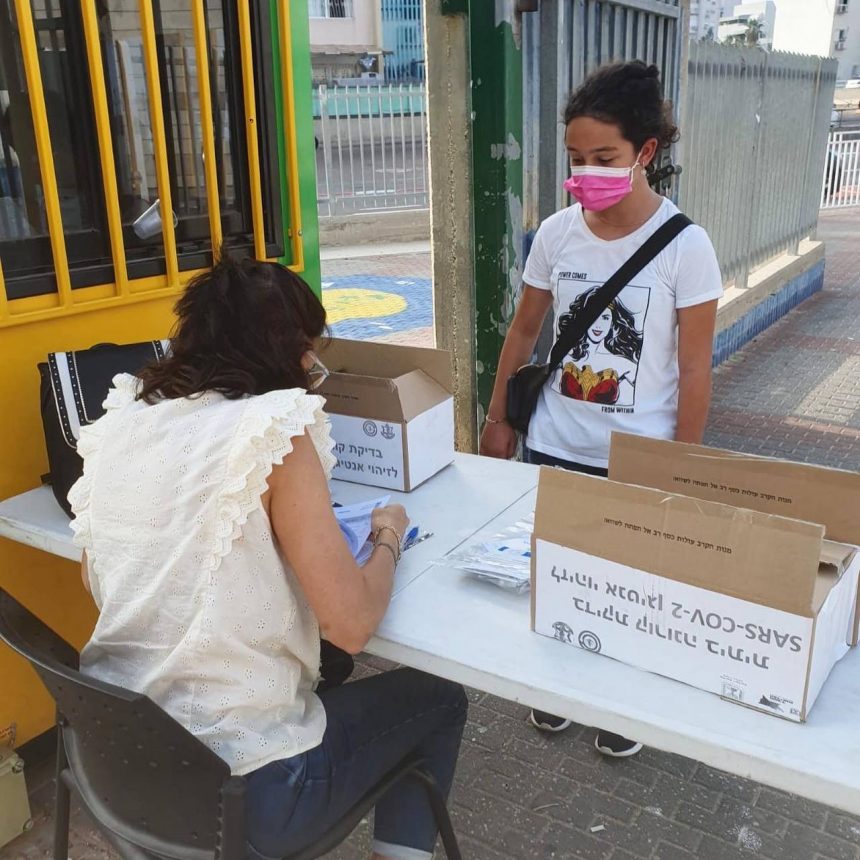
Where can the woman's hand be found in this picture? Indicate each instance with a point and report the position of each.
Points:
(390, 517)
(499, 441)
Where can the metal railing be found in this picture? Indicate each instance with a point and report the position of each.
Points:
(841, 186)
(755, 127)
(371, 148)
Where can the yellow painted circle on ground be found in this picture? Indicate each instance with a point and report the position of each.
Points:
(350, 304)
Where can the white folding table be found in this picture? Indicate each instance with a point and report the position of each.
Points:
(443, 621)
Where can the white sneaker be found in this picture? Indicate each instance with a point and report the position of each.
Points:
(616, 746)
(548, 722)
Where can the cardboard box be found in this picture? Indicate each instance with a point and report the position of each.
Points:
(14, 805)
(392, 412)
(712, 585)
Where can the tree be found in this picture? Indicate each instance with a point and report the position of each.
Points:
(755, 32)
(751, 37)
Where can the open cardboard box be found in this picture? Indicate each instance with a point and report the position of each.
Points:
(391, 410)
(704, 566)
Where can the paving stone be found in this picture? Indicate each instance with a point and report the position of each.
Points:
(844, 827)
(795, 808)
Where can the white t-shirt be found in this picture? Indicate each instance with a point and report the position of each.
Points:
(623, 376)
(198, 608)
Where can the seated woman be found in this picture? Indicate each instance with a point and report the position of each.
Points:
(216, 561)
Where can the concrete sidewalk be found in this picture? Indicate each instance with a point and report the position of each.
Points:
(520, 795)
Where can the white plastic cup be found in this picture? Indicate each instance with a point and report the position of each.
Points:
(148, 224)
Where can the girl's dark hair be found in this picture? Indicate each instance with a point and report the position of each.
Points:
(622, 338)
(630, 96)
(241, 329)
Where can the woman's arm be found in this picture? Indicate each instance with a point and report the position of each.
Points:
(499, 440)
(695, 354)
(348, 601)
(85, 577)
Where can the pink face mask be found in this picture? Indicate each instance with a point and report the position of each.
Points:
(598, 188)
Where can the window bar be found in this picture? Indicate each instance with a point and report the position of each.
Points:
(4, 304)
(156, 118)
(103, 132)
(174, 108)
(250, 100)
(33, 74)
(207, 126)
(293, 188)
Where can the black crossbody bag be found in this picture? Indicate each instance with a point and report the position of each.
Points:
(524, 386)
(74, 386)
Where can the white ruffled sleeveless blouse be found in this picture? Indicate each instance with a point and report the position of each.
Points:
(198, 610)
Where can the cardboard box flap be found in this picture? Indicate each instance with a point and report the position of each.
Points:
(810, 493)
(387, 361)
(419, 392)
(362, 397)
(766, 559)
(834, 561)
(837, 555)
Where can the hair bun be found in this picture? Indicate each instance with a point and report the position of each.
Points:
(636, 70)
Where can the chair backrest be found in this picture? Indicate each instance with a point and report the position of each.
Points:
(142, 775)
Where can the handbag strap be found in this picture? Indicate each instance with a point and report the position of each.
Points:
(604, 297)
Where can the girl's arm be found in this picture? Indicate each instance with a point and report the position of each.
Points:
(499, 440)
(695, 353)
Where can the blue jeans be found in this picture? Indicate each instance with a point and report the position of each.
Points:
(538, 459)
(372, 725)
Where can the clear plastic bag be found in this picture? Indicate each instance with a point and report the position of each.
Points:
(503, 560)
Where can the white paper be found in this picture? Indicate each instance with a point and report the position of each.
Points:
(355, 524)
(740, 650)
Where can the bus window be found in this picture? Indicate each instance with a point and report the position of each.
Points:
(70, 107)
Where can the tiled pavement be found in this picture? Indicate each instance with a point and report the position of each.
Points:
(519, 795)
(385, 297)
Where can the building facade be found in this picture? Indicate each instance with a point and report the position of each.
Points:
(403, 40)
(705, 18)
(346, 40)
(737, 23)
(827, 28)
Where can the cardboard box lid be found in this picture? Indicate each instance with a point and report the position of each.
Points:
(387, 361)
(384, 381)
(811, 493)
(763, 558)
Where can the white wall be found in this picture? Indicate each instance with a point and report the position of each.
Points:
(363, 32)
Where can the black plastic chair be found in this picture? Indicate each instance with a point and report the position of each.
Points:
(153, 789)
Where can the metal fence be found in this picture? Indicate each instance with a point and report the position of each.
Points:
(841, 186)
(371, 148)
(755, 126)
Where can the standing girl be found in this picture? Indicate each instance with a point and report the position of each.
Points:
(645, 366)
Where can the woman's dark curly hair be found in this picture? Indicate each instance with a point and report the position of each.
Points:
(630, 96)
(241, 329)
